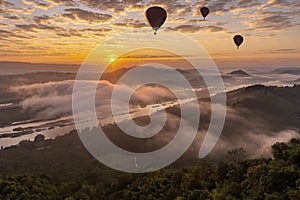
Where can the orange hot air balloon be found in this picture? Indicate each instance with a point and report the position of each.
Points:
(156, 17)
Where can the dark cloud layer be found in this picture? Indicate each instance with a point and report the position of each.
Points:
(278, 21)
(88, 16)
(64, 2)
(114, 5)
(131, 23)
(41, 19)
(193, 28)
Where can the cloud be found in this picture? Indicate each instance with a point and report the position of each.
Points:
(281, 51)
(3, 25)
(244, 129)
(34, 95)
(150, 95)
(286, 50)
(84, 33)
(53, 99)
(11, 36)
(34, 27)
(213, 28)
(194, 29)
(220, 6)
(77, 14)
(293, 4)
(10, 9)
(187, 28)
(9, 13)
(69, 20)
(6, 3)
(5, 32)
(244, 5)
(42, 19)
(13, 18)
(63, 2)
(131, 25)
(253, 129)
(113, 5)
(257, 144)
(173, 7)
(273, 21)
(234, 6)
(37, 4)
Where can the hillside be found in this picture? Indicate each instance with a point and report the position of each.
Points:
(18, 68)
(297, 81)
(257, 118)
(61, 169)
(255, 114)
(278, 106)
(288, 70)
(239, 73)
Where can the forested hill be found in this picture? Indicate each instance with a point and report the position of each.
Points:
(62, 169)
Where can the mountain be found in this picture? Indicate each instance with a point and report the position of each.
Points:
(12, 68)
(239, 73)
(289, 70)
(257, 116)
(297, 81)
(33, 78)
(156, 74)
(278, 107)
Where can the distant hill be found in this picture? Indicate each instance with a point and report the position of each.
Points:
(36, 77)
(256, 115)
(155, 73)
(290, 70)
(183, 71)
(12, 68)
(297, 81)
(239, 73)
(277, 106)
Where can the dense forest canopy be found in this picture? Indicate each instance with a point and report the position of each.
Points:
(62, 169)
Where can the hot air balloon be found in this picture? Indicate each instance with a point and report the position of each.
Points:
(238, 40)
(204, 11)
(156, 17)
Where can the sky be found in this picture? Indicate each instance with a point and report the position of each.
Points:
(66, 31)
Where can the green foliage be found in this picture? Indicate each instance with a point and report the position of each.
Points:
(73, 174)
(288, 152)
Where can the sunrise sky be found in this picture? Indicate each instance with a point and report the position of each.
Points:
(65, 31)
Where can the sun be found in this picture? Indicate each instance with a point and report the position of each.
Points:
(112, 59)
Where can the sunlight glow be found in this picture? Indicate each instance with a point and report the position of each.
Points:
(112, 59)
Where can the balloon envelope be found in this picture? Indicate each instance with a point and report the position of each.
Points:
(156, 17)
(238, 40)
(204, 11)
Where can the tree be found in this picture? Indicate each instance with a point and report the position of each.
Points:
(236, 155)
(39, 138)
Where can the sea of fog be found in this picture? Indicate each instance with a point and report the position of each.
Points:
(60, 126)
